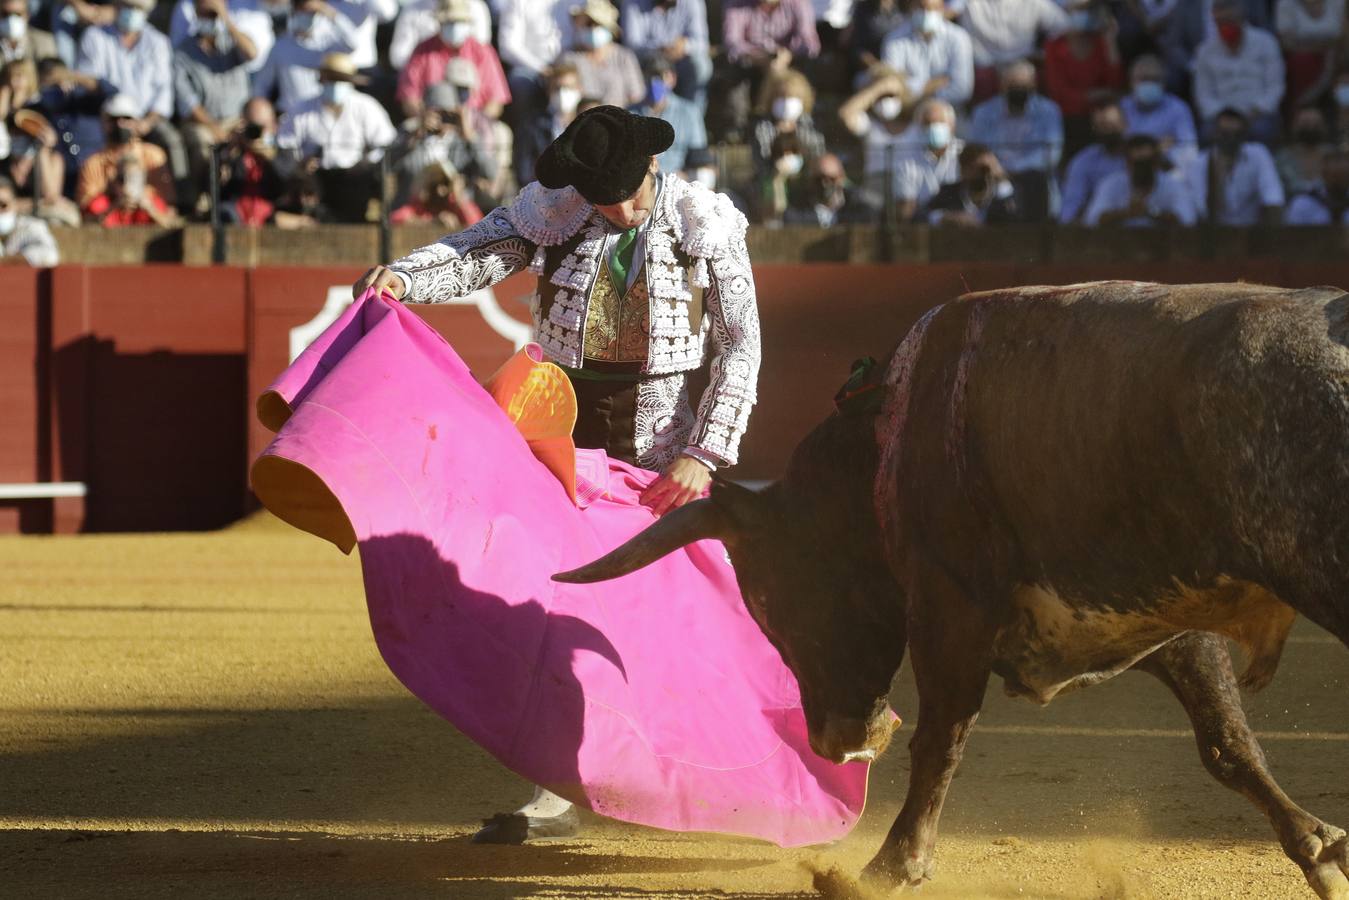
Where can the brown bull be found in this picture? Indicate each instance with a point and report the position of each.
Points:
(1060, 484)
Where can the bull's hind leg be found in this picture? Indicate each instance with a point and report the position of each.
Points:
(1198, 670)
(950, 645)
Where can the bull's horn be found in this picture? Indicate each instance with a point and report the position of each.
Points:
(694, 521)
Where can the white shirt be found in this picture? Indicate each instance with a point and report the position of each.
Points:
(916, 175)
(919, 58)
(1291, 20)
(1004, 31)
(358, 132)
(1169, 195)
(32, 239)
(1250, 80)
(418, 21)
(292, 66)
(250, 18)
(144, 71)
(837, 13)
(531, 34)
(1252, 183)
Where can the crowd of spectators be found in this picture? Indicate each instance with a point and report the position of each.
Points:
(959, 112)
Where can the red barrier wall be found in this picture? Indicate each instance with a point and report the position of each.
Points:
(140, 382)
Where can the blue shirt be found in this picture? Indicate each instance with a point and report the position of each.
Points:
(1089, 168)
(1170, 119)
(647, 27)
(1312, 207)
(1031, 141)
(689, 131)
(919, 59)
(1169, 195)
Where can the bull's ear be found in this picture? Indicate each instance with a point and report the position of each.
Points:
(694, 521)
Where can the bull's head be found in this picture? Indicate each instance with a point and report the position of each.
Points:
(808, 558)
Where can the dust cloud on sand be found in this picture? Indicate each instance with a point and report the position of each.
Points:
(206, 715)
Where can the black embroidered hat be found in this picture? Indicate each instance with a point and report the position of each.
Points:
(604, 153)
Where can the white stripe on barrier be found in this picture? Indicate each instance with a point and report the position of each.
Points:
(44, 489)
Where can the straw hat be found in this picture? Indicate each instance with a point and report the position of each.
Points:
(339, 67)
(601, 12)
(454, 11)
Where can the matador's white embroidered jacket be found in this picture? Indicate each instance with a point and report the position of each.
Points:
(694, 245)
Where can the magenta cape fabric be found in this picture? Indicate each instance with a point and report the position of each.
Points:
(653, 698)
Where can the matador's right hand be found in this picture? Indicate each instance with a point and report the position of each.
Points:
(381, 278)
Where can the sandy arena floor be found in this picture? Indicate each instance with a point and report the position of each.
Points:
(204, 716)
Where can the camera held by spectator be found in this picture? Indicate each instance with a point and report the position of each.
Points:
(442, 198)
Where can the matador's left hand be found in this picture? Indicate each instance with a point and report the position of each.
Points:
(685, 480)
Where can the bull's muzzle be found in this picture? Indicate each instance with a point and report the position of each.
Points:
(847, 739)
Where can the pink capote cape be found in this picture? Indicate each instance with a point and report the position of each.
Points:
(653, 698)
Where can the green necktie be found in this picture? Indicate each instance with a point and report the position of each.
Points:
(621, 259)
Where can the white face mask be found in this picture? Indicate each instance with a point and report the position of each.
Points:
(889, 108)
(13, 28)
(338, 92)
(212, 28)
(791, 164)
(455, 33)
(938, 135)
(302, 23)
(598, 36)
(788, 109)
(929, 20)
(131, 20)
(565, 100)
(8, 220)
(707, 177)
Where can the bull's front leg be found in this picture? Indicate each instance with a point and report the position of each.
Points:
(950, 643)
(1198, 670)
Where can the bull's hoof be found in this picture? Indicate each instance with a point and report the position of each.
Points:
(1326, 862)
(886, 873)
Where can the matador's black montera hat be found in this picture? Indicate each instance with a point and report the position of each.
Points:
(604, 153)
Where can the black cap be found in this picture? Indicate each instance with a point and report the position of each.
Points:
(604, 153)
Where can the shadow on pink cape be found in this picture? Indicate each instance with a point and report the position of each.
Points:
(653, 698)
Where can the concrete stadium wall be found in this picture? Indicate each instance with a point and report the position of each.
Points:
(140, 380)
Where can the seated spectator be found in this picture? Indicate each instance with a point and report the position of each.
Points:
(1150, 110)
(122, 130)
(450, 131)
(1025, 131)
(18, 39)
(1147, 194)
(340, 136)
(1003, 32)
(301, 204)
(929, 157)
(1094, 163)
(532, 36)
(783, 177)
(290, 74)
(609, 72)
(441, 198)
(420, 19)
(210, 79)
(24, 238)
(31, 146)
(683, 115)
(433, 56)
(1311, 32)
(932, 54)
(760, 37)
(248, 16)
(700, 165)
(875, 114)
(250, 186)
(366, 15)
(1249, 190)
(1327, 201)
(785, 107)
(983, 195)
(873, 22)
(1239, 67)
(1082, 70)
(1299, 161)
(533, 135)
(137, 60)
(126, 199)
(827, 199)
(492, 134)
(675, 31)
(69, 18)
(73, 104)
(1186, 26)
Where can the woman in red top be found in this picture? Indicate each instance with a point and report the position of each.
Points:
(442, 198)
(1082, 69)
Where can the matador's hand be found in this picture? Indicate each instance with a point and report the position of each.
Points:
(685, 480)
(381, 278)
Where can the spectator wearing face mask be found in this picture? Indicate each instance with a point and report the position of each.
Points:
(25, 238)
(929, 157)
(250, 186)
(932, 54)
(247, 16)
(760, 38)
(128, 200)
(674, 31)
(18, 40)
(662, 102)
(315, 29)
(873, 22)
(781, 180)
(875, 115)
(534, 134)
(1300, 161)
(210, 78)
(1241, 68)
(433, 56)
(609, 72)
(1235, 181)
(1082, 69)
(827, 198)
(340, 136)
(122, 130)
(441, 198)
(1325, 202)
(1150, 110)
(1003, 32)
(785, 108)
(1094, 163)
(1025, 130)
(983, 195)
(448, 130)
(1311, 32)
(1145, 194)
(420, 19)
